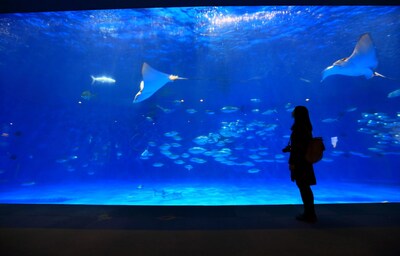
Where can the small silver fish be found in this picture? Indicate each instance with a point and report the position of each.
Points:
(394, 94)
(329, 120)
(103, 80)
(191, 111)
(229, 109)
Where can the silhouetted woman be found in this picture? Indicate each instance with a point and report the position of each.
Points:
(302, 171)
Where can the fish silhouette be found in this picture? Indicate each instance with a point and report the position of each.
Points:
(362, 62)
(153, 80)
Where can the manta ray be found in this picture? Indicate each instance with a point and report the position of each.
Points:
(153, 80)
(362, 62)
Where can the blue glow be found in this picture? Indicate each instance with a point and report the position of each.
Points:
(70, 132)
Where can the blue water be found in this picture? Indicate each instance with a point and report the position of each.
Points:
(213, 139)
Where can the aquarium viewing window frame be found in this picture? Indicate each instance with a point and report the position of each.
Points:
(26, 6)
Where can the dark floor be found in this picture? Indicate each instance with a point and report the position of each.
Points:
(343, 229)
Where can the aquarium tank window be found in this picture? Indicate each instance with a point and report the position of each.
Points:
(192, 105)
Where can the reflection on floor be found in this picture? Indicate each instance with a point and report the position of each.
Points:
(277, 192)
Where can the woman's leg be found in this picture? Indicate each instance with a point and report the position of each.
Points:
(307, 197)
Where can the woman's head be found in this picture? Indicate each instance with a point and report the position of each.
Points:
(301, 117)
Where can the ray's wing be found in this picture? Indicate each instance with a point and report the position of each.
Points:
(153, 80)
(364, 53)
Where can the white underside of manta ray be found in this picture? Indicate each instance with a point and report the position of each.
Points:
(153, 80)
(362, 62)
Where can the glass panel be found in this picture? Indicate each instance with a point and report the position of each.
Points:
(192, 106)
